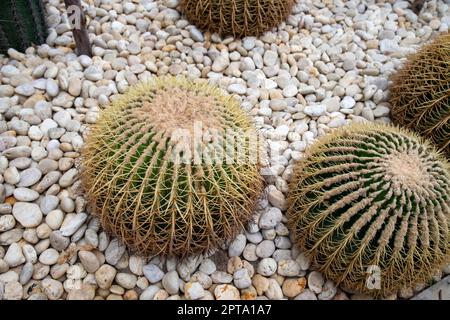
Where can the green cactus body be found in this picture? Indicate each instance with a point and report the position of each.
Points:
(238, 18)
(369, 198)
(22, 23)
(420, 93)
(157, 189)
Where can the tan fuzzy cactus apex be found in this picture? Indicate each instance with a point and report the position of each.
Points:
(370, 205)
(162, 174)
(420, 93)
(237, 18)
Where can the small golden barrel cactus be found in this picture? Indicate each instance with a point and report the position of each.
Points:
(420, 93)
(370, 205)
(237, 18)
(171, 167)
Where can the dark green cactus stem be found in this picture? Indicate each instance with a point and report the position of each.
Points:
(22, 23)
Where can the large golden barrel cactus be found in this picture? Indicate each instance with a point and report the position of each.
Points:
(370, 204)
(162, 172)
(237, 18)
(420, 92)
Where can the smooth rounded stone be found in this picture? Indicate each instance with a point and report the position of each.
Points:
(193, 291)
(348, 102)
(68, 177)
(43, 231)
(11, 176)
(3, 266)
(13, 291)
(126, 280)
(170, 282)
(14, 255)
(94, 73)
(242, 279)
(282, 242)
(25, 89)
(265, 249)
(303, 261)
(315, 281)
(65, 164)
(282, 254)
(153, 273)
(276, 197)
(54, 219)
(47, 181)
(5, 208)
(29, 253)
(290, 91)
(59, 270)
(220, 64)
(91, 237)
(381, 111)
(58, 241)
(136, 265)
(62, 117)
(237, 88)
(249, 252)
(9, 276)
(270, 218)
(293, 287)
(86, 292)
(288, 268)
(221, 277)
(226, 292)
(267, 267)
(237, 246)
(7, 222)
(104, 276)
(329, 290)
(255, 237)
(114, 252)
(17, 152)
(7, 142)
(89, 261)
(72, 223)
(274, 291)
(306, 295)
(53, 289)
(270, 58)
(316, 110)
(30, 235)
(67, 205)
(149, 293)
(40, 271)
(48, 203)
(10, 236)
(25, 194)
(207, 266)
(52, 88)
(49, 257)
(42, 245)
(9, 71)
(29, 215)
(26, 273)
(260, 283)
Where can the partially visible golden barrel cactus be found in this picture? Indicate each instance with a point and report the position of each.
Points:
(162, 173)
(370, 205)
(237, 18)
(420, 93)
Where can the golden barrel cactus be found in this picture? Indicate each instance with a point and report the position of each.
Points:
(420, 93)
(237, 18)
(162, 173)
(370, 205)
